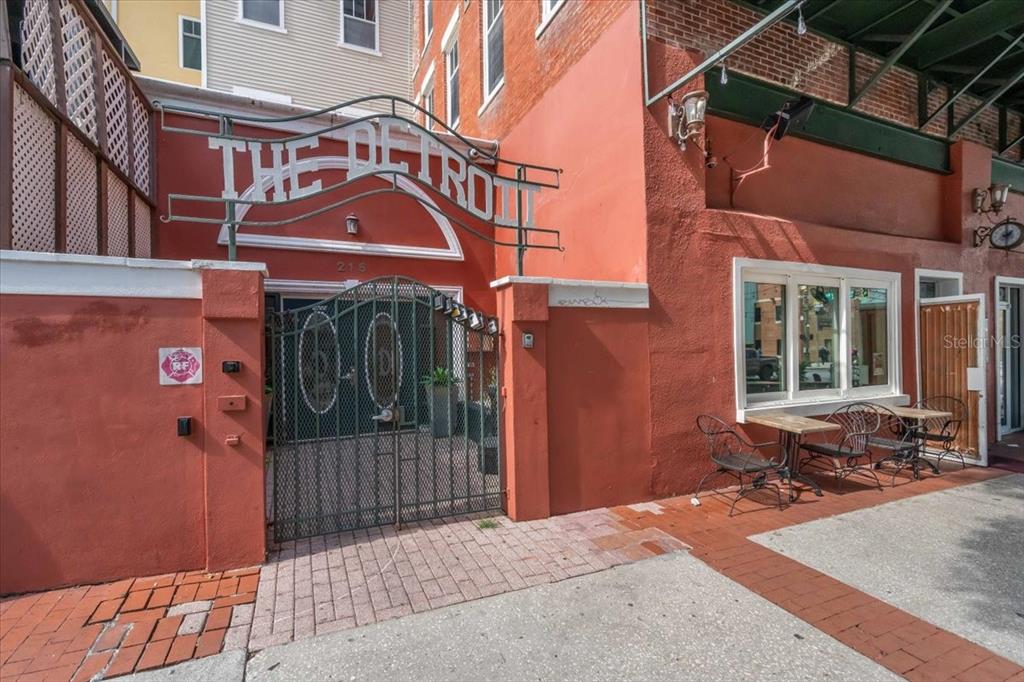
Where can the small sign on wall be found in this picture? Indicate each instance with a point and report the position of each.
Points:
(181, 366)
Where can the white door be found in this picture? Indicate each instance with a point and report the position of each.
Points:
(953, 361)
(1009, 354)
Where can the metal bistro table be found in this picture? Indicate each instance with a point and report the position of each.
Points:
(918, 416)
(792, 428)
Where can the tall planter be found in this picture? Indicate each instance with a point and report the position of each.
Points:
(443, 410)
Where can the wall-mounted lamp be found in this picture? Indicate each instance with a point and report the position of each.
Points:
(995, 196)
(352, 223)
(686, 119)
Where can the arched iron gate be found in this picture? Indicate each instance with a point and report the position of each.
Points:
(385, 410)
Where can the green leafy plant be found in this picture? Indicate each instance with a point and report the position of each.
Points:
(485, 524)
(440, 376)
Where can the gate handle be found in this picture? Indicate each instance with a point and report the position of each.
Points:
(350, 376)
(386, 415)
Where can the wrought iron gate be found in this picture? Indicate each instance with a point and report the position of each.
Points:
(385, 410)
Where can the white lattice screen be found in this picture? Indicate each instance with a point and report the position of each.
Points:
(143, 245)
(116, 102)
(81, 199)
(37, 47)
(79, 72)
(140, 133)
(117, 217)
(35, 140)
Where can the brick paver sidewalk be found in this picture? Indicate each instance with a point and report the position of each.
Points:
(894, 638)
(307, 587)
(91, 632)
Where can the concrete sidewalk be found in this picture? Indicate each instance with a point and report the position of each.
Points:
(951, 558)
(666, 618)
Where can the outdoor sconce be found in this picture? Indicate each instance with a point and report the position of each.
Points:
(352, 223)
(996, 196)
(686, 119)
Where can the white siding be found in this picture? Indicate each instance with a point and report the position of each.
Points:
(307, 61)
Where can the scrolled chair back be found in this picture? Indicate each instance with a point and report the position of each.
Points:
(944, 426)
(719, 435)
(858, 422)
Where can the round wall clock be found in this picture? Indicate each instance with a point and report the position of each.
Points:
(1008, 234)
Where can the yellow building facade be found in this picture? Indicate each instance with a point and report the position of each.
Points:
(166, 35)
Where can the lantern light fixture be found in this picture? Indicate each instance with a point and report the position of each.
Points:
(686, 119)
(352, 223)
(995, 196)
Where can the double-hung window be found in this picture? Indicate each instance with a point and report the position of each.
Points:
(190, 43)
(548, 10)
(451, 70)
(269, 13)
(428, 21)
(428, 104)
(494, 46)
(359, 24)
(810, 334)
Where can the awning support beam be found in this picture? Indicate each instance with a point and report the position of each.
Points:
(974, 79)
(739, 41)
(1009, 146)
(894, 56)
(989, 100)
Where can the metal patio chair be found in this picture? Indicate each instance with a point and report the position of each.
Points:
(942, 432)
(848, 450)
(896, 437)
(735, 455)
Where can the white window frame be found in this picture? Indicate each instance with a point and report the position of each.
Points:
(816, 401)
(547, 13)
(279, 27)
(428, 30)
(181, 43)
(485, 50)
(376, 30)
(426, 85)
(452, 123)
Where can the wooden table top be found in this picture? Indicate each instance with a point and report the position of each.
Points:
(918, 413)
(792, 423)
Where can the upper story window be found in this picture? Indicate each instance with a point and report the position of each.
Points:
(548, 9)
(808, 334)
(267, 13)
(428, 104)
(190, 43)
(359, 24)
(428, 21)
(451, 69)
(494, 46)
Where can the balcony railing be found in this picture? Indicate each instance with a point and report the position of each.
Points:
(76, 137)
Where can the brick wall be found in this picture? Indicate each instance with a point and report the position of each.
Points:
(532, 63)
(813, 65)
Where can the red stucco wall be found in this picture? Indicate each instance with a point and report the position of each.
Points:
(94, 483)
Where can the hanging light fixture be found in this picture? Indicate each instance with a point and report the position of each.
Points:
(724, 79)
(801, 25)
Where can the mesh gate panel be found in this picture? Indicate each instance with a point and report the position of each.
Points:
(140, 141)
(81, 198)
(116, 108)
(117, 216)
(143, 247)
(385, 410)
(35, 141)
(37, 47)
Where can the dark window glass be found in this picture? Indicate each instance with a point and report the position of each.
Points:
(191, 44)
(263, 11)
(360, 27)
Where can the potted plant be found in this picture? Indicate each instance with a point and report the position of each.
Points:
(440, 385)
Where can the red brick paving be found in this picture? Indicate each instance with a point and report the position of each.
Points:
(101, 631)
(903, 643)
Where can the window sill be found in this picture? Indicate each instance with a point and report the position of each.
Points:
(821, 406)
(276, 28)
(547, 20)
(360, 49)
(490, 98)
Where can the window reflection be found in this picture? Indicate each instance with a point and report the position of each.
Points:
(764, 336)
(819, 336)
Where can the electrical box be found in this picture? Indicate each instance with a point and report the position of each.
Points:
(527, 340)
(231, 366)
(184, 426)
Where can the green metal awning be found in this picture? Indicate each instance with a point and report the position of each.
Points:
(972, 46)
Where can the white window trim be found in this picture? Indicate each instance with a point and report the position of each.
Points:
(427, 32)
(279, 27)
(489, 96)
(202, 21)
(181, 43)
(547, 15)
(426, 84)
(825, 400)
(449, 30)
(359, 48)
(448, 90)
